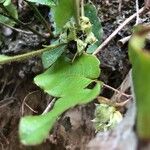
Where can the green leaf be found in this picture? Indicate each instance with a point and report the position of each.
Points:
(44, 2)
(13, 11)
(91, 13)
(68, 82)
(33, 130)
(48, 58)
(140, 59)
(6, 2)
(62, 13)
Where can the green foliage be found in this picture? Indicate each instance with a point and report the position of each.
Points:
(44, 2)
(72, 83)
(48, 58)
(5, 2)
(11, 8)
(62, 13)
(107, 117)
(83, 36)
(68, 82)
(91, 13)
(140, 59)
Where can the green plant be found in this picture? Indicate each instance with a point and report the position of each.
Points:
(68, 82)
(10, 7)
(71, 69)
(68, 78)
(140, 59)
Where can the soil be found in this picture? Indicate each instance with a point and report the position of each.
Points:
(74, 131)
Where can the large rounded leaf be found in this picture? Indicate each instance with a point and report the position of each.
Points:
(69, 83)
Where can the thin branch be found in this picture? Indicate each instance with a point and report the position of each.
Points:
(117, 91)
(24, 25)
(50, 105)
(7, 101)
(122, 104)
(40, 17)
(24, 103)
(104, 100)
(31, 108)
(28, 55)
(137, 12)
(116, 31)
(120, 5)
(8, 15)
(15, 29)
(124, 40)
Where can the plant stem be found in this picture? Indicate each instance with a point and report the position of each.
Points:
(40, 17)
(22, 57)
(77, 11)
(115, 90)
(82, 8)
(8, 15)
(15, 29)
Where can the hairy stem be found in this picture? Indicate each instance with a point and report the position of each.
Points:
(15, 29)
(22, 57)
(77, 11)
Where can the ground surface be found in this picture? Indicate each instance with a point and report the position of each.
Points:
(74, 130)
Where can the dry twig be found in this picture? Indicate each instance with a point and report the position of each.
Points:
(24, 103)
(50, 105)
(124, 40)
(117, 91)
(137, 12)
(117, 30)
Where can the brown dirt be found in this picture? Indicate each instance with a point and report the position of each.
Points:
(74, 130)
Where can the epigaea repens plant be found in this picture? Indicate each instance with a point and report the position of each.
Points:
(70, 68)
